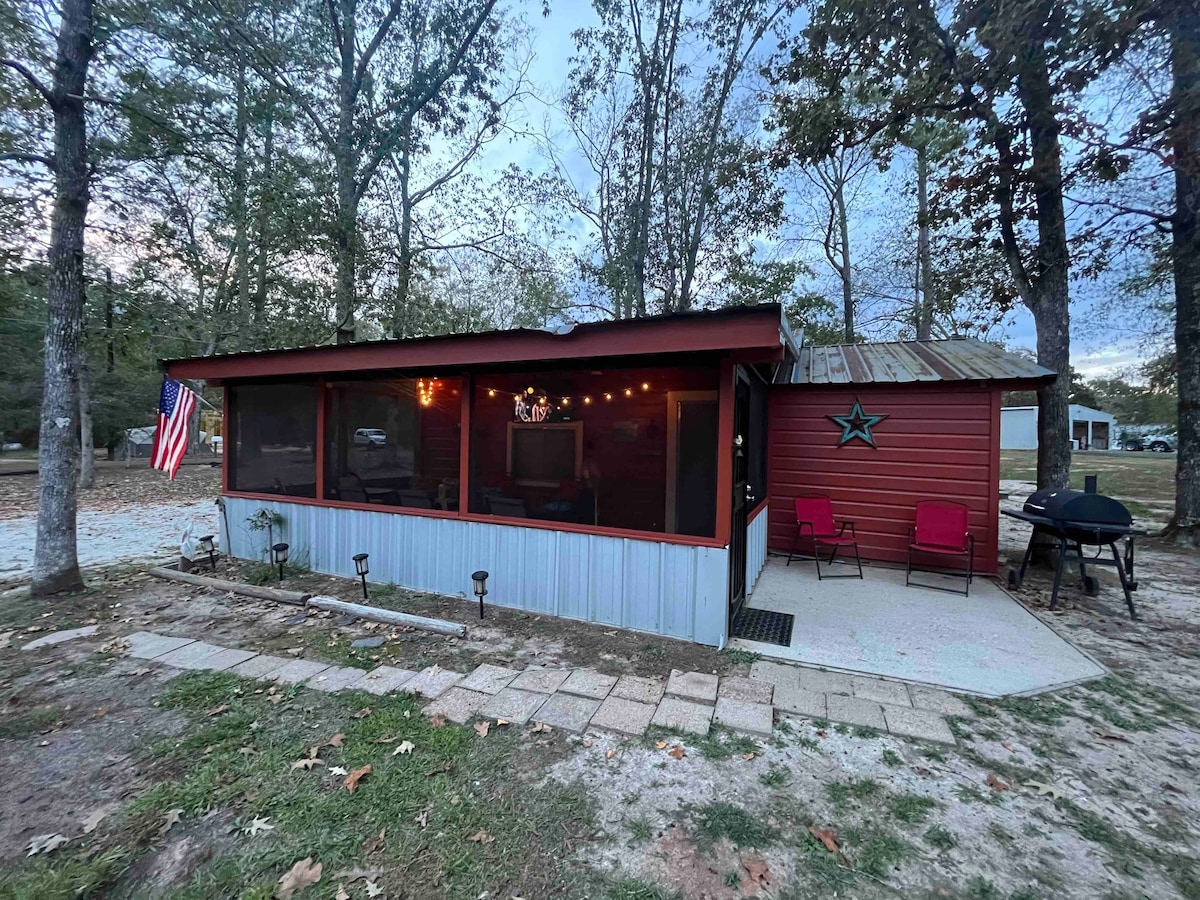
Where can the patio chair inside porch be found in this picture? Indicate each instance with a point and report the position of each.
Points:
(941, 532)
(814, 521)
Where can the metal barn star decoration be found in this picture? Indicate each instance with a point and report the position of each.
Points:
(858, 424)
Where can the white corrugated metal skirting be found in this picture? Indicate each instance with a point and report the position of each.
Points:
(756, 548)
(669, 589)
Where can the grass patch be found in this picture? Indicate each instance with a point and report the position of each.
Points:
(891, 758)
(70, 875)
(911, 808)
(636, 890)
(26, 724)
(842, 793)
(941, 837)
(714, 821)
(775, 776)
(640, 831)
(877, 851)
(736, 656)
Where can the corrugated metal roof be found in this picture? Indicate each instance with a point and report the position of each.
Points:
(904, 362)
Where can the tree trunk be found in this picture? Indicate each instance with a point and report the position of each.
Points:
(266, 196)
(839, 199)
(241, 227)
(87, 440)
(1184, 27)
(924, 317)
(346, 163)
(55, 563)
(110, 351)
(404, 274)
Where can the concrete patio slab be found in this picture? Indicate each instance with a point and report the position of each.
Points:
(986, 644)
(800, 701)
(298, 670)
(588, 683)
(749, 690)
(940, 702)
(384, 679)
(457, 705)
(765, 670)
(488, 679)
(433, 682)
(61, 637)
(753, 718)
(828, 682)
(199, 655)
(880, 691)
(567, 711)
(543, 681)
(148, 645)
(683, 715)
(336, 678)
(918, 723)
(697, 687)
(853, 711)
(638, 689)
(259, 667)
(513, 705)
(624, 716)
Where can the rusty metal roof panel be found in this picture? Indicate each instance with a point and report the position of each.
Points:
(905, 362)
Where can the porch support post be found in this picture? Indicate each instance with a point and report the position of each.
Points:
(322, 398)
(464, 445)
(226, 446)
(725, 452)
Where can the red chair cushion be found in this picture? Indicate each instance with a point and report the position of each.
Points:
(941, 524)
(818, 511)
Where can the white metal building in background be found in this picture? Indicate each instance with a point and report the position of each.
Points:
(1091, 429)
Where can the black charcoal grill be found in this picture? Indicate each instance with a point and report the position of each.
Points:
(1076, 519)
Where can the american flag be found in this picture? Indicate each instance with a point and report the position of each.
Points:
(175, 405)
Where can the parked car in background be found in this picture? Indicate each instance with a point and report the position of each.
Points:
(371, 438)
(1157, 443)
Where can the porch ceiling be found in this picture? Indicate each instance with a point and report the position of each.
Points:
(986, 644)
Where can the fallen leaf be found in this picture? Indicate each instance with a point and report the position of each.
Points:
(352, 780)
(92, 822)
(217, 710)
(502, 722)
(275, 698)
(302, 874)
(373, 890)
(749, 756)
(660, 745)
(437, 722)
(995, 783)
(307, 763)
(1109, 736)
(248, 750)
(423, 819)
(337, 770)
(826, 836)
(542, 726)
(403, 747)
(757, 871)
(586, 743)
(440, 770)
(1044, 788)
(370, 845)
(336, 740)
(46, 843)
(362, 713)
(481, 837)
(341, 893)
(170, 820)
(386, 739)
(677, 752)
(257, 826)
(821, 732)
(1174, 789)
(481, 728)
(609, 754)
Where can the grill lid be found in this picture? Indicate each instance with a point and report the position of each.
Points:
(1078, 506)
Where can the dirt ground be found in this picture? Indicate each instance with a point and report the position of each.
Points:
(118, 487)
(1089, 792)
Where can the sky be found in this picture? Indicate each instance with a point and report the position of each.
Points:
(1098, 348)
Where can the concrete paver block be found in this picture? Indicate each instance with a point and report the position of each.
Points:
(199, 655)
(543, 681)
(748, 689)
(489, 679)
(513, 705)
(683, 715)
(854, 711)
(625, 716)
(457, 705)
(638, 689)
(918, 723)
(259, 667)
(432, 682)
(699, 687)
(764, 670)
(148, 645)
(940, 701)
(800, 701)
(383, 679)
(60, 637)
(589, 683)
(754, 718)
(336, 678)
(298, 670)
(567, 711)
(881, 691)
(829, 682)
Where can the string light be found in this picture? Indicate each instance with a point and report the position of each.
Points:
(645, 385)
(566, 401)
(542, 401)
(628, 392)
(425, 390)
(491, 392)
(607, 396)
(587, 401)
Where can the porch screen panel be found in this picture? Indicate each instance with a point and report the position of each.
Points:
(393, 442)
(274, 444)
(756, 441)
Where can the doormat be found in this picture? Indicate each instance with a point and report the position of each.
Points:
(764, 625)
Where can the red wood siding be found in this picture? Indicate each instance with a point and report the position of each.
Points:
(938, 442)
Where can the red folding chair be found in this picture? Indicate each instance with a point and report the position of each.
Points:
(814, 514)
(941, 531)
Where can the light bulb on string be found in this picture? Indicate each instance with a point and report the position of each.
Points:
(607, 396)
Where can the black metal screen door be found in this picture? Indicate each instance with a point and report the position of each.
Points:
(737, 534)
